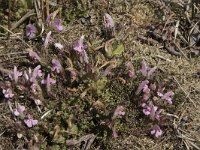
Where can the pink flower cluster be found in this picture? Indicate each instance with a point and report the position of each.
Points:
(30, 79)
(149, 93)
(19, 112)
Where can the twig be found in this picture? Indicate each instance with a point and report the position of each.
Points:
(16, 36)
(4, 70)
(9, 16)
(88, 139)
(171, 49)
(45, 114)
(185, 92)
(181, 51)
(2, 133)
(1, 61)
(161, 57)
(16, 53)
(37, 4)
(26, 16)
(176, 30)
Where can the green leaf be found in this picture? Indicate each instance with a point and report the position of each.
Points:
(74, 129)
(118, 50)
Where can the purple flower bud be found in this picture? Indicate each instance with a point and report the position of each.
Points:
(156, 131)
(28, 75)
(49, 18)
(34, 87)
(142, 85)
(131, 70)
(78, 45)
(131, 74)
(34, 55)
(167, 96)
(119, 112)
(8, 93)
(146, 96)
(85, 57)
(152, 111)
(56, 65)
(146, 109)
(48, 82)
(37, 72)
(19, 110)
(146, 70)
(56, 23)
(108, 21)
(15, 75)
(46, 41)
(146, 89)
(31, 31)
(114, 132)
(30, 122)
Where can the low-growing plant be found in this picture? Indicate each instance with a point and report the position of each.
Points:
(95, 77)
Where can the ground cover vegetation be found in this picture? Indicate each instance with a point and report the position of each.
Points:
(99, 74)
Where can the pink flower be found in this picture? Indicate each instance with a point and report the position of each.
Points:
(131, 71)
(15, 75)
(34, 87)
(143, 86)
(146, 70)
(78, 45)
(146, 109)
(8, 93)
(56, 65)
(119, 112)
(156, 131)
(108, 21)
(46, 40)
(152, 111)
(114, 132)
(37, 72)
(28, 75)
(31, 31)
(49, 19)
(30, 122)
(155, 113)
(167, 96)
(108, 70)
(85, 57)
(146, 96)
(34, 55)
(19, 110)
(48, 82)
(146, 89)
(56, 23)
